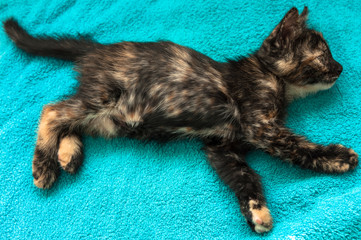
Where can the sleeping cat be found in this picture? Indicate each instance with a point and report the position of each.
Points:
(161, 90)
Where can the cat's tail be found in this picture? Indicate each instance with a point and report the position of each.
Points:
(59, 47)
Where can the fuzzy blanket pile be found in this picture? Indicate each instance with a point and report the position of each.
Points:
(127, 189)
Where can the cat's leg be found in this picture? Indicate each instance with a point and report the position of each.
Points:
(58, 126)
(279, 141)
(234, 171)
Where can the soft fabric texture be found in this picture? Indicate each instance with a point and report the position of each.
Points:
(127, 189)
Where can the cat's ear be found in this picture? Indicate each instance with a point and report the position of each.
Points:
(304, 16)
(289, 28)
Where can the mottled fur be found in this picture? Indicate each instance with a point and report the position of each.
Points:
(161, 90)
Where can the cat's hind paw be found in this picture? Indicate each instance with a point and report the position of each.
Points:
(45, 170)
(70, 154)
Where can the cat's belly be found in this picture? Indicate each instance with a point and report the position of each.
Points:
(156, 120)
(164, 133)
(182, 117)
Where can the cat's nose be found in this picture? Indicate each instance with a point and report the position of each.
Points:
(338, 68)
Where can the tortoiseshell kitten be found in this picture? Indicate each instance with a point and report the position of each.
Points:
(161, 90)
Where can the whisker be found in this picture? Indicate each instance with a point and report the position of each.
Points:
(339, 91)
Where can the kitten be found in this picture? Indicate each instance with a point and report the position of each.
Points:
(161, 90)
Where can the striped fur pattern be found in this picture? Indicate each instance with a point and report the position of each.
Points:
(162, 91)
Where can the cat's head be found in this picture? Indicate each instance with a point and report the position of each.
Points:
(299, 55)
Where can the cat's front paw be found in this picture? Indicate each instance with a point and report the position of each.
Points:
(260, 218)
(339, 159)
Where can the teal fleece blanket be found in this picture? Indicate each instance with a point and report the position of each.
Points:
(129, 189)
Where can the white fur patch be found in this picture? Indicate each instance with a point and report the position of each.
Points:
(295, 91)
(261, 218)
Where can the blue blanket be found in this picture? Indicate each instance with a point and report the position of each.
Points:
(133, 190)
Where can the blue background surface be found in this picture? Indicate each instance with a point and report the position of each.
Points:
(133, 190)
